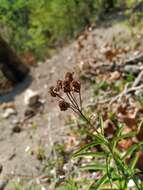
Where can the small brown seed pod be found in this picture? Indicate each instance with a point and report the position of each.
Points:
(75, 86)
(52, 91)
(63, 105)
(66, 86)
(59, 85)
(69, 76)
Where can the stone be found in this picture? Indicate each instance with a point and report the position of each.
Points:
(8, 112)
(15, 121)
(3, 184)
(16, 129)
(133, 69)
(31, 97)
(131, 183)
(115, 76)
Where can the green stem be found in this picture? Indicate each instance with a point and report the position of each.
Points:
(123, 173)
(85, 118)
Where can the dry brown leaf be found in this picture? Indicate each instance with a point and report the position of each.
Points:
(122, 109)
(125, 144)
(109, 54)
(140, 135)
(130, 122)
(7, 105)
(29, 59)
(140, 161)
(114, 76)
(109, 128)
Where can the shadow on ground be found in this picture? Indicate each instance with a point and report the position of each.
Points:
(10, 96)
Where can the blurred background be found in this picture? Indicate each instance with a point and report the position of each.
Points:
(39, 27)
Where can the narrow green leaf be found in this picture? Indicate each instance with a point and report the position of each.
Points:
(99, 183)
(92, 154)
(94, 167)
(100, 138)
(101, 125)
(130, 151)
(134, 161)
(116, 136)
(86, 147)
(109, 189)
(128, 135)
(109, 169)
(120, 165)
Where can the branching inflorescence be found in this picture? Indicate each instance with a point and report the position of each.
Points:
(68, 92)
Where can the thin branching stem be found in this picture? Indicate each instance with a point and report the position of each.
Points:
(60, 97)
(73, 109)
(74, 99)
(87, 120)
(80, 99)
(72, 102)
(72, 106)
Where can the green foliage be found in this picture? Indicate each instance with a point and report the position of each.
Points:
(116, 173)
(44, 25)
(31, 26)
(14, 21)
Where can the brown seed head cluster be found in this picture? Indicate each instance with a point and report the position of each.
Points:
(63, 105)
(69, 93)
(68, 86)
(75, 85)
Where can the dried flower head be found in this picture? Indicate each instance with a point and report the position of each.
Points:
(63, 105)
(75, 86)
(66, 86)
(67, 100)
(69, 76)
(59, 85)
(52, 91)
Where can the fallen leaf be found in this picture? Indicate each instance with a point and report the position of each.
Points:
(125, 144)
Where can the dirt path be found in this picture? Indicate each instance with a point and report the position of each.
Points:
(49, 126)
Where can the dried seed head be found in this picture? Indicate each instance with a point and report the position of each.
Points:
(63, 105)
(69, 76)
(66, 86)
(52, 91)
(59, 85)
(75, 85)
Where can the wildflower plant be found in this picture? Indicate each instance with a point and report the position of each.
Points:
(118, 171)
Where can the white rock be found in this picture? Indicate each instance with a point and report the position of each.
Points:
(43, 188)
(3, 184)
(45, 86)
(53, 70)
(61, 176)
(53, 172)
(15, 121)
(8, 112)
(31, 97)
(27, 149)
(131, 183)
